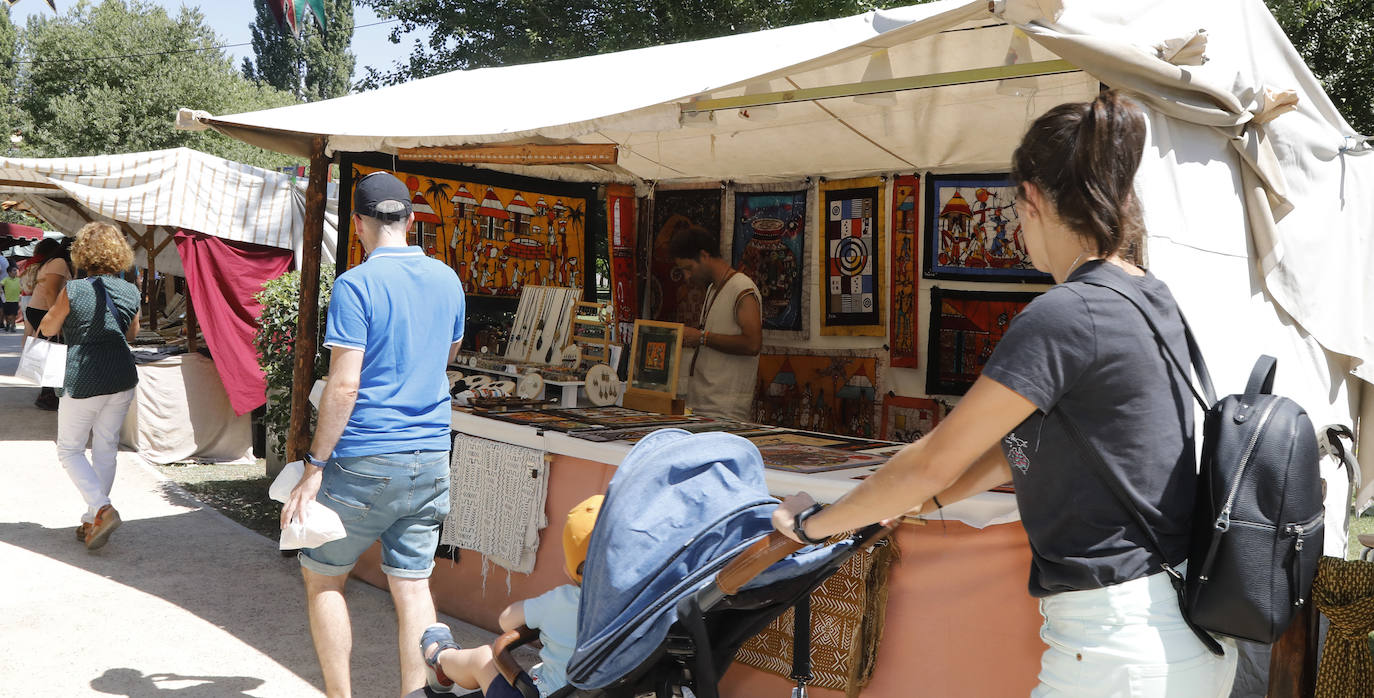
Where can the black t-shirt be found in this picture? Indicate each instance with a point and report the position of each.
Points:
(1085, 353)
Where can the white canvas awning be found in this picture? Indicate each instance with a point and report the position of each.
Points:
(1255, 189)
(166, 190)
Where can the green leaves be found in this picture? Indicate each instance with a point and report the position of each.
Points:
(276, 345)
(109, 78)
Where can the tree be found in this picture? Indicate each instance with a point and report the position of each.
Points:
(12, 118)
(1336, 40)
(109, 78)
(484, 33)
(317, 65)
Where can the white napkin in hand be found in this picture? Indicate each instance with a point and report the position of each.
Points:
(321, 523)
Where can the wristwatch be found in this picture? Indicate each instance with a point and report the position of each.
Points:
(799, 524)
(315, 461)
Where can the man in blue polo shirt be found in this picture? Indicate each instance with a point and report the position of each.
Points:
(380, 453)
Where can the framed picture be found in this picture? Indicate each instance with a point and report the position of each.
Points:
(800, 458)
(907, 419)
(851, 257)
(973, 233)
(965, 327)
(655, 356)
(906, 191)
(814, 390)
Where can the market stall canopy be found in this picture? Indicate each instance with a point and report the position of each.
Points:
(167, 190)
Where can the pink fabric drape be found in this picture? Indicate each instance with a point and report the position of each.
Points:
(223, 276)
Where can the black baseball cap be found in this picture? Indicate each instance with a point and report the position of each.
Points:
(380, 195)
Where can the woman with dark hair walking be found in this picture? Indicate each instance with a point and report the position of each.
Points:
(54, 271)
(1080, 360)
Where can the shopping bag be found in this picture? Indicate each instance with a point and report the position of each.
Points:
(42, 362)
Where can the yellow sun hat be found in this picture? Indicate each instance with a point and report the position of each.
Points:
(577, 534)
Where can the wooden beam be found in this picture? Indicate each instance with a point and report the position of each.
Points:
(522, 154)
(307, 324)
(78, 209)
(1293, 658)
(16, 183)
(855, 89)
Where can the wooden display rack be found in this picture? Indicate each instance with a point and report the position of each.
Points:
(590, 332)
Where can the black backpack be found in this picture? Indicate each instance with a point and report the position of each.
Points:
(1258, 517)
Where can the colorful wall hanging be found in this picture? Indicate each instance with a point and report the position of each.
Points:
(670, 297)
(907, 419)
(498, 239)
(972, 231)
(829, 392)
(965, 327)
(801, 458)
(621, 224)
(769, 245)
(905, 212)
(851, 231)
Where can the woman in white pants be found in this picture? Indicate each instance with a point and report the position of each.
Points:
(1076, 395)
(96, 315)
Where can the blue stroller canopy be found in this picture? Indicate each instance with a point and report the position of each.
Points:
(677, 510)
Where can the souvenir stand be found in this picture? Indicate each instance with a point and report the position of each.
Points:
(188, 405)
(856, 169)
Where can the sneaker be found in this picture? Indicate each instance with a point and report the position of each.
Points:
(106, 521)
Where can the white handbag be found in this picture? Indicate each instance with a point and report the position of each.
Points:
(43, 362)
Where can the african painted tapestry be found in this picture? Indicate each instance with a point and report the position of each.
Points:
(768, 246)
(965, 327)
(851, 231)
(905, 242)
(499, 240)
(814, 391)
(671, 297)
(973, 232)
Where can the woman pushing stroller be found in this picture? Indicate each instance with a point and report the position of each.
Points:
(1079, 357)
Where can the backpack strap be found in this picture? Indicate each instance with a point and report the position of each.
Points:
(99, 285)
(1204, 393)
(1114, 484)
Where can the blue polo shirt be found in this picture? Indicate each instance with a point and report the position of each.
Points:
(404, 311)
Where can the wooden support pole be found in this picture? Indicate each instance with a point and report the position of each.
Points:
(1293, 658)
(307, 325)
(190, 325)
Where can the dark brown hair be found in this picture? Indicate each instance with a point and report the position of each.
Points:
(1083, 157)
(687, 240)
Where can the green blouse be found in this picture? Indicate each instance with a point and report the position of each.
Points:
(98, 358)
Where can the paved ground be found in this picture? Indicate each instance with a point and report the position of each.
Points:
(182, 602)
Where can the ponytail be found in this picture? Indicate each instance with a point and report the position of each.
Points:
(1084, 157)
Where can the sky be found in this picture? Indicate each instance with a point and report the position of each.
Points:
(230, 19)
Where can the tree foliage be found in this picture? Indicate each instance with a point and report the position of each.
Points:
(276, 345)
(109, 78)
(484, 33)
(316, 65)
(1336, 40)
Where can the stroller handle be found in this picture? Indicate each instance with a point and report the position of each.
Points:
(762, 554)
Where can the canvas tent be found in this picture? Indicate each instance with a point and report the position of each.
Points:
(950, 87)
(163, 191)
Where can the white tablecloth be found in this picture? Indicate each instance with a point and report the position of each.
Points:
(181, 412)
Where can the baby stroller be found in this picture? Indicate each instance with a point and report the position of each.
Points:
(684, 567)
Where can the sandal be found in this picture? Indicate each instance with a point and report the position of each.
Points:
(81, 532)
(441, 638)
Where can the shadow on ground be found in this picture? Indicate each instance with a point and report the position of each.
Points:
(230, 580)
(135, 684)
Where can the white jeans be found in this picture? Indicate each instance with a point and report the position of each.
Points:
(97, 419)
(1127, 640)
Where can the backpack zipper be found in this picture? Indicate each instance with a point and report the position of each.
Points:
(1295, 568)
(1223, 522)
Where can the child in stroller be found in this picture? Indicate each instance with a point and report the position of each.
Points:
(554, 613)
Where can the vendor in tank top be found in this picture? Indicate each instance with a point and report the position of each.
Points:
(725, 344)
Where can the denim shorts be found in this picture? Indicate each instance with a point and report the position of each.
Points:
(398, 498)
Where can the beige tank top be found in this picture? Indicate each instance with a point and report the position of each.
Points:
(722, 385)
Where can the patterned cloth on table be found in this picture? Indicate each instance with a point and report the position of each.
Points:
(1344, 592)
(497, 492)
(847, 613)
